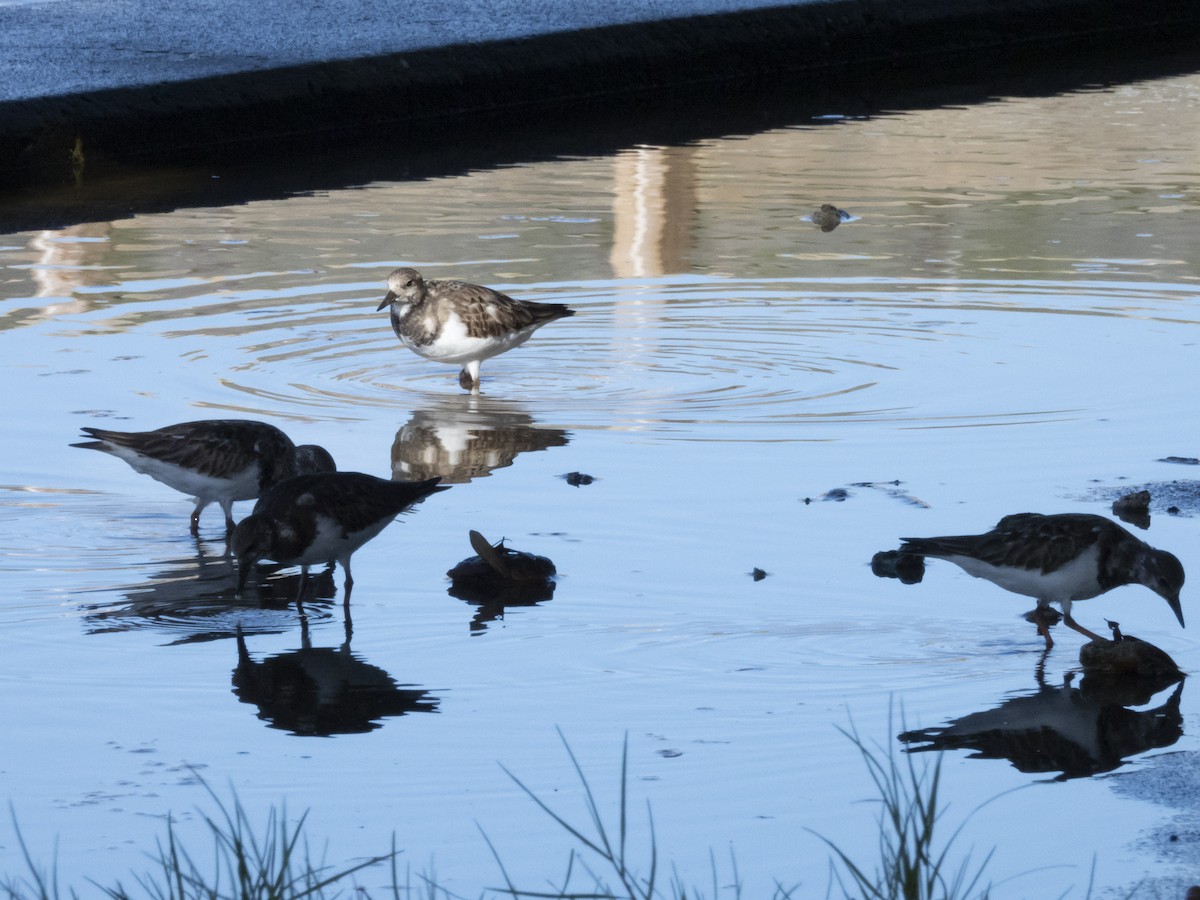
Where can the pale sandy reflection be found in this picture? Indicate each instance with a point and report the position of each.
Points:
(654, 203)
(68, 259)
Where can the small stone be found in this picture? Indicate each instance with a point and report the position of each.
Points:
(829, 217)
(908, 567)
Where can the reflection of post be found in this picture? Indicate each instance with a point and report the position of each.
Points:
(64, 257)
(655, 202)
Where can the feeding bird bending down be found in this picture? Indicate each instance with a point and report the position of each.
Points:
(322, 518)
(214, 460)
(1059, 559)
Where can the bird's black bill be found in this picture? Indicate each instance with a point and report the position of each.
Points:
(387, 301)
(1173, 602)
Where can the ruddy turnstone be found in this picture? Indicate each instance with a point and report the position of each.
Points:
(1059, 559)
(322, 518)
(215, 460)
(459, 323)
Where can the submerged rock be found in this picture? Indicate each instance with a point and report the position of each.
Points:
(500, 570)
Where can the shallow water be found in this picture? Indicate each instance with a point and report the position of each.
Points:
(1009, 323)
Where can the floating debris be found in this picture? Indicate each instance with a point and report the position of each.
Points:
(575, 479)
(836, 495)
(892, 489)
(1181, 460)
(758, 574)
(908, 567)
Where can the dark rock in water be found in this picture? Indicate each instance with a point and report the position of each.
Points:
(1133, 508)
(1126, 656)
(829, 217)
(837, 495)
(908, 567)
(501, 573)
(1181, 460)
(758, 574)
(500, 577)
(575, 479)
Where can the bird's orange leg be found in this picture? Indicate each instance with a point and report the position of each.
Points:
(1071, 623)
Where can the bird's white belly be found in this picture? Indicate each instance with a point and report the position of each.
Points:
(1074, 581)
(454, 346)
(332, 543)
(242, 486)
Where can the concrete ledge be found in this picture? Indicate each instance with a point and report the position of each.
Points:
(409, 95)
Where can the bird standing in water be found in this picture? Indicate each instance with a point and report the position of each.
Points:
(322, 518)
(214, 460)
(460, 323)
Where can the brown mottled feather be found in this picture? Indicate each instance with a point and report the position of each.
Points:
(431, 302)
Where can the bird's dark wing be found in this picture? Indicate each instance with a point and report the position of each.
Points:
(354, 499)
(1023, 541)
(217, 447)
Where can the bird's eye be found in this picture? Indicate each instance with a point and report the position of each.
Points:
(408, 283)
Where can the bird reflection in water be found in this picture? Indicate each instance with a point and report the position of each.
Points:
(499, 577)
(323, 691)
(195, 599)
(1074, 731)
(464, 437)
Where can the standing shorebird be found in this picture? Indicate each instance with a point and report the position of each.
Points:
(215, 460)
(459, 323)
(322, 518)
(1059, 559)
